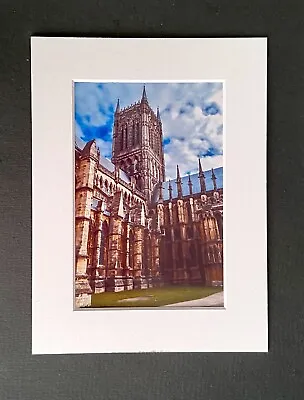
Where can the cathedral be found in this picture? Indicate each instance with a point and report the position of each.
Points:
(133, 228)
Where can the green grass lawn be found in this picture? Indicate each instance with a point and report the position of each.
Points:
(154, 297)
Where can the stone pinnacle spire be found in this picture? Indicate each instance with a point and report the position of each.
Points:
(201, 177)
(178, 178)
(178, 183)
(170, 190)
(144, 95)
(158, 114)
(190, 184)
(200, 169)
(213, 179)
(117, 106)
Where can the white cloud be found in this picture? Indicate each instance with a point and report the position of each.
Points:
(190, 130)
(78, 131)
(105, 147)
(184, 154)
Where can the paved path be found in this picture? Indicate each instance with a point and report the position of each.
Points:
(214, 300)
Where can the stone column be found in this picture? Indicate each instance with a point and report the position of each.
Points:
(127, 261)
(128, 281)
(138, 250)
(83, 290)
(206, 228)
(212, 228)
(85, 178)
(184, 276)
(155, 267)
(99, 280)
(114, 281)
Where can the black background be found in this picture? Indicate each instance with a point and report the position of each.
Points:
(276, 375)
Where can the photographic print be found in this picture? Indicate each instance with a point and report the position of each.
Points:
(148, 194)
(157, 167)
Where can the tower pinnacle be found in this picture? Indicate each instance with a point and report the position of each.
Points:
(178, 183)
(201, 177)
(170, 190)
(158, 114)
(190, 184)
(214, 179)
(117, 106)
(144, 95)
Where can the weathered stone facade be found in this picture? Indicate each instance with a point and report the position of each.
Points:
(133, 229)
(191, 223)
(137, 144)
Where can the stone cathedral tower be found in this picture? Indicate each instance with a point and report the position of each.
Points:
(137, 144)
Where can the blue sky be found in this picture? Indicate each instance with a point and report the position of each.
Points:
(191, 113)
